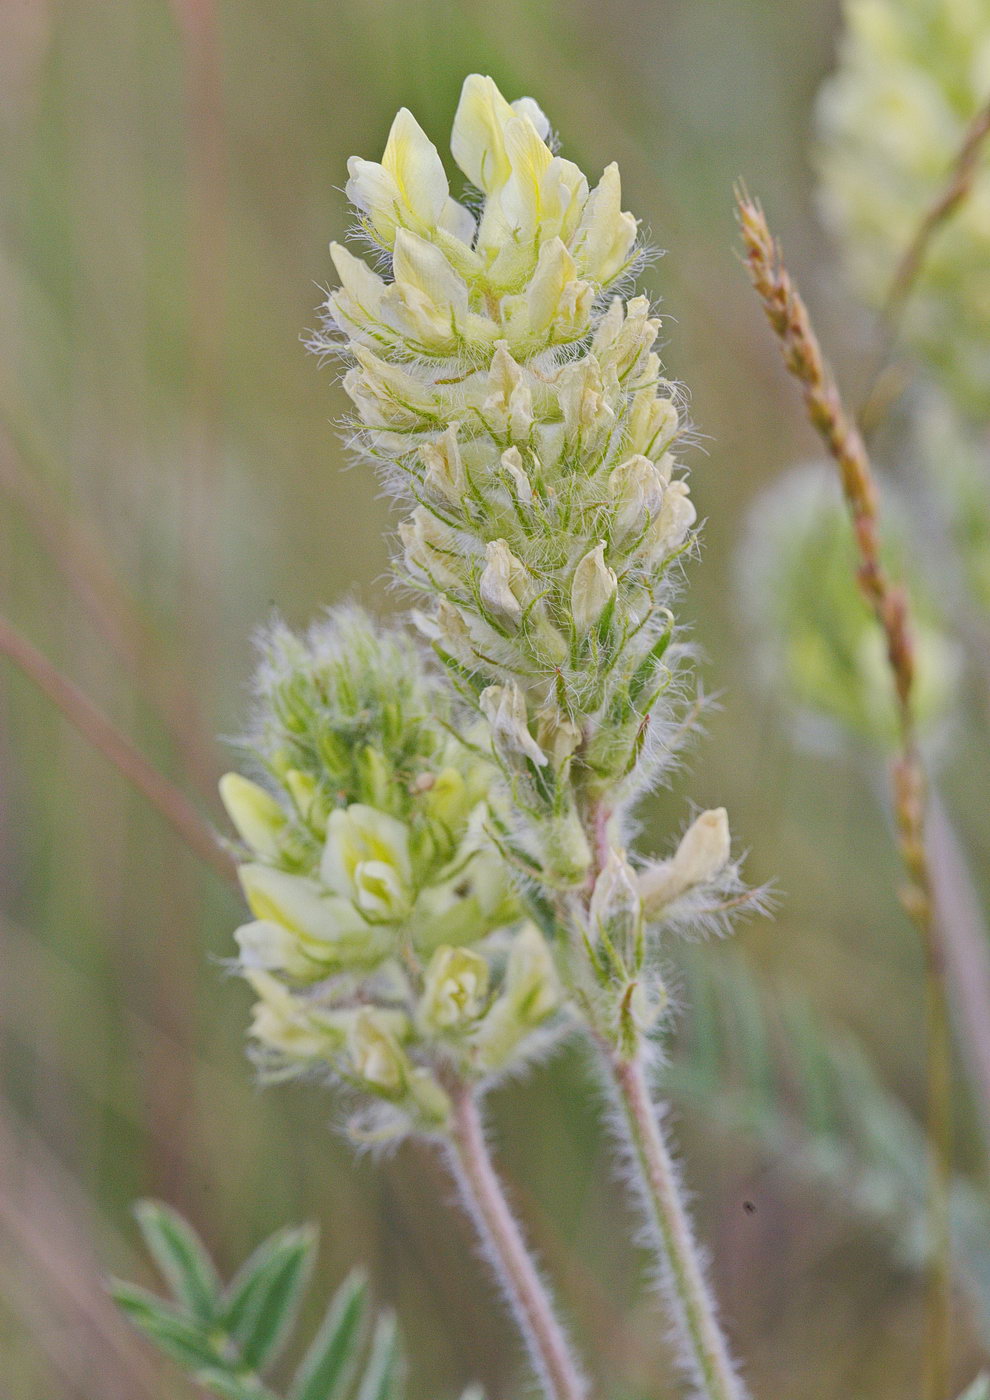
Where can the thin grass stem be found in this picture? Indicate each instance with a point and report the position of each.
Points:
(790, 322)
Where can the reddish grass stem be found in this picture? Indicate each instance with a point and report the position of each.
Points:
(97, 730)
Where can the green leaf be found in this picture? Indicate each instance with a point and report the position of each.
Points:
(382, 1374)
(328, 1367)
(230, 1386)
(263, 1299)
(179, 1253)
(179, 1337)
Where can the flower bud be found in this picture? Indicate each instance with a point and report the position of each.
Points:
(615, 912)
(606, 236)
(409, 187)
(258, 817)
(356, 305)
(454, 989)
(555, 305)
(637, 491)
(584, 402)
(444, 476)
(376, 1055)
(509, 402)
(431, 549)
(478, 138)
(428, 301)
(703, 854)
(305, 793)
(677, 515)
(285, 1023)
(505, 586)
(653, 422)
(592, 588)
(531, 994)
(512, 466)
(556, 735)
(504, 706)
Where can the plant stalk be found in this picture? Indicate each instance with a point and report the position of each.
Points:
(508, 1254)
(691, 1302)
(788, 317)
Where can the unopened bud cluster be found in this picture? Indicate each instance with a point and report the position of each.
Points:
(386, 945)
(912, 76)
(516, 402)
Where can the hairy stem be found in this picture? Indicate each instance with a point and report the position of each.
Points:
(692, 1305)
(510, 1259)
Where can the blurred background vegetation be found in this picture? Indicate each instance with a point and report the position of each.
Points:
(170, 472)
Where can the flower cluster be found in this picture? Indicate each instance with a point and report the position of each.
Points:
(379, 946)
(516, 401)
(912, 76)
(817, 642)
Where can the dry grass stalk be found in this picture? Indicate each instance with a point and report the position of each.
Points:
(790, 322)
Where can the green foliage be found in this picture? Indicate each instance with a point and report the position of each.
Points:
(226, 1338)
(761, 1061)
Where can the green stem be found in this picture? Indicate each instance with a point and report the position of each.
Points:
(691, 1303)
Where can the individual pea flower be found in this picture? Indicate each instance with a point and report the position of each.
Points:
(911, 77)
(817, 646)
(455, 989)
(702, 855)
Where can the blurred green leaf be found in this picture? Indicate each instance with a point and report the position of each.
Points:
(328, 1367)
(382, 1375)
(233, 1387)
(179, 1337)
(264, 1298)
(179, 1253)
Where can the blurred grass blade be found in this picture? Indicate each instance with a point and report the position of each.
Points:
(328, 1367)
(263, 1299)
(181, 1257)
(233, 1387)
(979, 1390)
(179, 1337)
(381, 1377)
